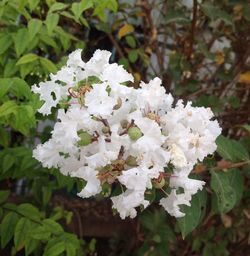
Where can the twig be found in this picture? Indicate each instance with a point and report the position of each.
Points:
(193, 27)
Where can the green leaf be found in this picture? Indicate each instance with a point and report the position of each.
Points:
(4, 137)
(55, 249)
(131, 41)
(4, 194)
(7, 227)
(79, 8)
(48, 65)
(20, 88)
(29, 211)
(8, 162)
(51, 22)
(21, 41)
(34, 27)
(30, 246)
(226, 197)
(5, 85)
(246, 127)
(70, 249)
(46, 194)
(33, 4)
(30, 57)
(213, 12)
(57, 7)
(231, 149)
(52, 226)
(177, 17)
(236, 181)
(133, 56)
(10, 68)
(194, 213)
(21, 233)
(41, 233)
(5, 42)
(7, 108)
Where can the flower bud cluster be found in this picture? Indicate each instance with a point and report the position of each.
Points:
(113, 135)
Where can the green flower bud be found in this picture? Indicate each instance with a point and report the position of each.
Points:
(159, 184)
(131, 161)
(85, 139)
(134, 133)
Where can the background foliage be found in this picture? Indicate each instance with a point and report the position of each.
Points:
(200, 49)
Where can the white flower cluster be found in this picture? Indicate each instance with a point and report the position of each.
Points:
(110, 134)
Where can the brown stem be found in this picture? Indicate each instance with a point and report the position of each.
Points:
(193, 27)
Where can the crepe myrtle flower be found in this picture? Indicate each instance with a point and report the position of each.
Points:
(108, 133)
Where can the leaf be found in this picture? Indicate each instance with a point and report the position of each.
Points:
(55, 249)
(236, 181)
(7, 227)
(231, 149)
(20, 88)
(177, 17)
(10, 68)
(194, 213)
(5, 85)
(29, 211)
(8, 162)
(48, 65)
(41, 233)
(33, 4)
(79, 8)
(30, 246)
(247, 127)
(51, 22)
(21, 40)
(133, 56)
(225, 193)
(21, 232)
(30, 57)
(34, 27)
(46, 195)
(57, 7)
(4, 194)
(4, 137)
(125, 30)
(214, 12)
(52, 226)
(7, 108)
(5, 42)
(245, 77)
(70, 249)
(131, 41)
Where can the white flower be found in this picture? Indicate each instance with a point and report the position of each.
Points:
(75, 59)
(50, 92)
(126, 203)
(153, 97)
(110, 133)
(48, 154)
(95, 66)
(93, 185)
(134, 179)
(177, 157)
(98, 101)
(172, 202)
(115, 74)
(190, 186)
